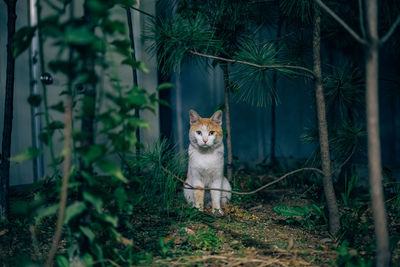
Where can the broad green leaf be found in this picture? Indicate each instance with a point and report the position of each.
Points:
(112, 169)
(22, 39)
(62, 261)
(88, 233)
(78, 35)
(165, 86)
(289, 211)
(27, 154)
(73, 210)
(95, 201)
(136, 98)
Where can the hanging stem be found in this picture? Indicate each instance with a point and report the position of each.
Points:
(8, 112)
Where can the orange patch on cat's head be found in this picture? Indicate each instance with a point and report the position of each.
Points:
(214, 123)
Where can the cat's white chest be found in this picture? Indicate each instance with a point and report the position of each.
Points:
(206, 166)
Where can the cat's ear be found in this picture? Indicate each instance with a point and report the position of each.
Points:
(194, 117)
(217, 117)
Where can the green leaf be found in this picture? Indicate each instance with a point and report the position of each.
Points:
(136, 98)
(34, 100)
(58, 107)
(78, 36)
(22, 40)
(55, 125)
(138, 123)
(165, 86)
(45, 137)
(290, 211)
(95, 201)
(123, 47)
(112, 169)
(114, 26)
(111, 219)
(88, 233)
(62, 261)
(46, 211)
(121, 196)
(93, 153)
(27, 154)
(73, 210)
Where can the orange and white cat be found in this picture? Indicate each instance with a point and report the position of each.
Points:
(206, 162)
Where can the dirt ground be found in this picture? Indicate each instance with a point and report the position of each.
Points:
(250, 235)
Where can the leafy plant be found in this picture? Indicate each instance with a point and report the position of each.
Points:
(349, 186)
(205, 239)
(308, 216)
(349, 257)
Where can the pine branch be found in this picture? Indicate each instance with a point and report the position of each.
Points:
(310, 72)
(341, 22)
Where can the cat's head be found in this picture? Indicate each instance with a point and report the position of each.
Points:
(205, 132)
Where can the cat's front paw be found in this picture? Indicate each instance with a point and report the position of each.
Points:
(218, 212)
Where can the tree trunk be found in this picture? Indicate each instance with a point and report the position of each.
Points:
(374, 148)
(334, 222)
(134, 73)
(229, 170)
(8, 112)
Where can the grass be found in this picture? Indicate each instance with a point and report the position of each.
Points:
(252, 233)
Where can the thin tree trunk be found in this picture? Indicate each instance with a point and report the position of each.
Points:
(8, 112)
(134, 73)
(374, 147)
(334, 222)
(273, 103)
(229, 170)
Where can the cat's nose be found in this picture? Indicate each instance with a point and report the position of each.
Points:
(205, 141)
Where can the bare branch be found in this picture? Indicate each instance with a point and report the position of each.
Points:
(143, 12)
(341, 22)
(310, 72)
(391, 30)
(237, 192)
(361, 15)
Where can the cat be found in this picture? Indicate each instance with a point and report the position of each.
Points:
(206, 162)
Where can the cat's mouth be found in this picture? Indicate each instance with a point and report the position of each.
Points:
(204, 144)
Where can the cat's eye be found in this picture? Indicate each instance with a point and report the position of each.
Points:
(211, 133)
(198, 132)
